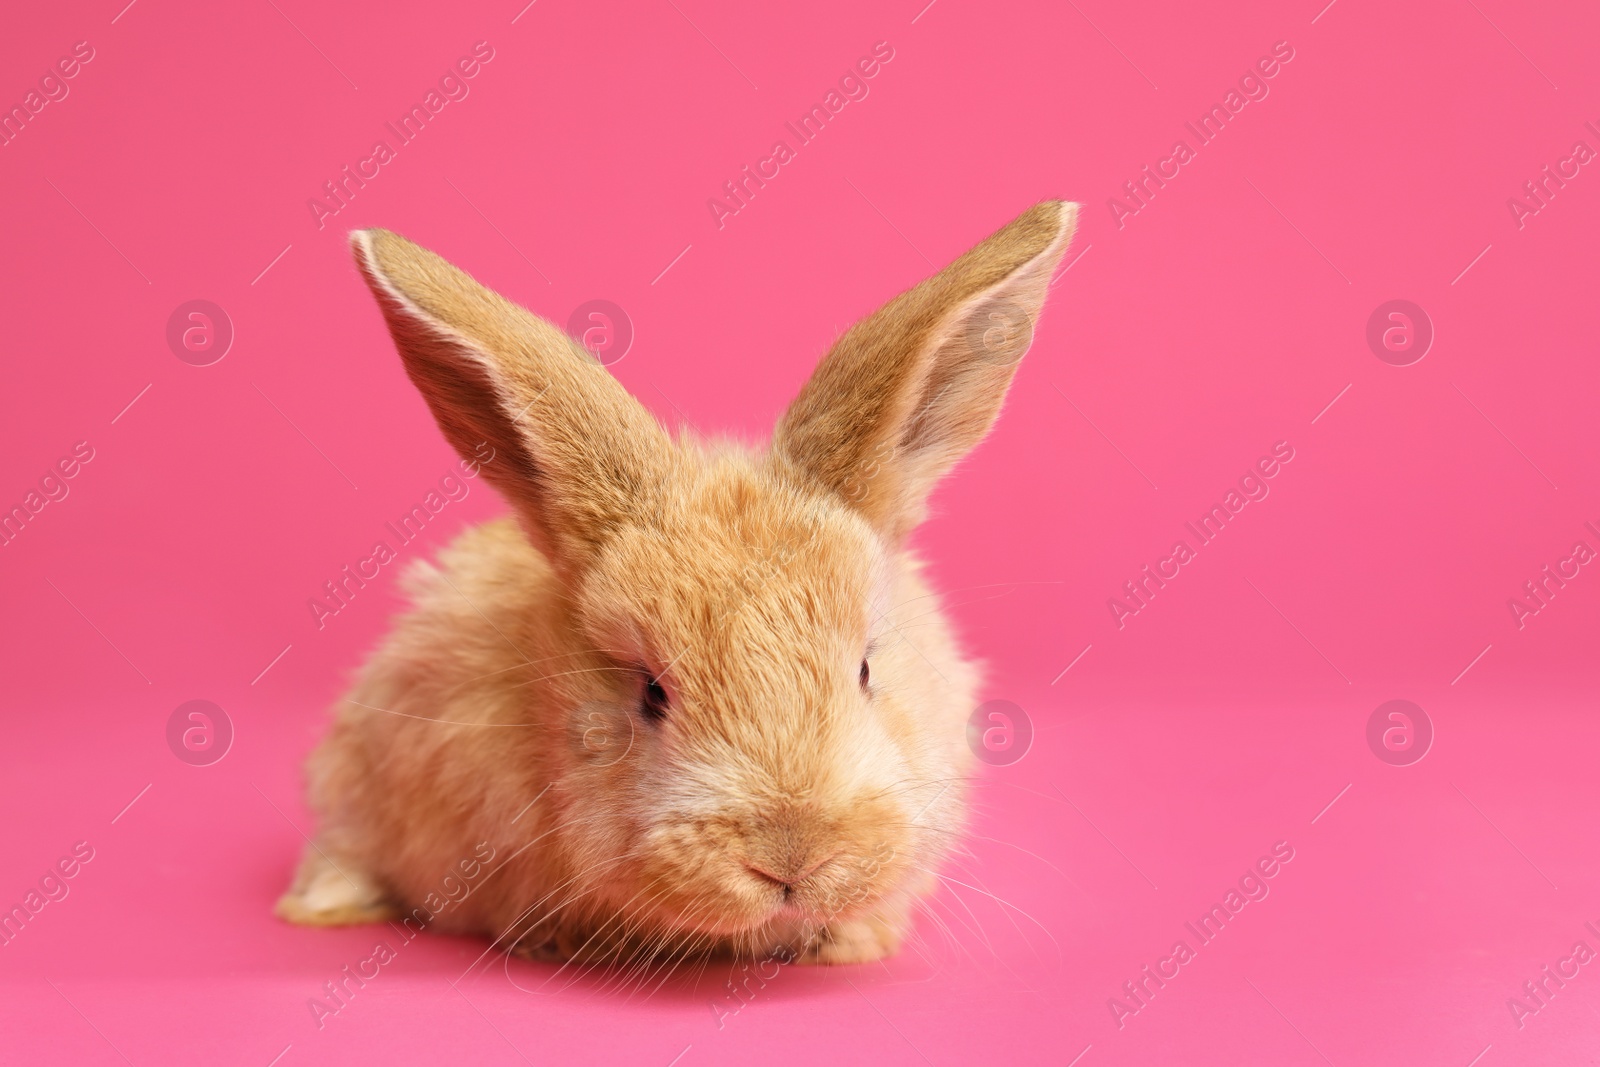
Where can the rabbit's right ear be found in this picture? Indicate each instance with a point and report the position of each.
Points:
(573, 452)
(908, 390)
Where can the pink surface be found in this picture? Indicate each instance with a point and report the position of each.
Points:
(1386, 161)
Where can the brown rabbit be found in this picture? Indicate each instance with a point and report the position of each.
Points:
(692, 700)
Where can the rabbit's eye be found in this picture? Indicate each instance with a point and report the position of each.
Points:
(654, 703)
(866, 675)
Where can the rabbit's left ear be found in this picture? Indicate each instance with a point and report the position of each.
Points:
(558, 435)
(911, 388)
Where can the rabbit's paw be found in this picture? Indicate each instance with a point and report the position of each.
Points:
(862, 940)
(570, 944)
(538, 948)
(325, 894)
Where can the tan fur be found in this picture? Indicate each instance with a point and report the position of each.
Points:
(778, 806)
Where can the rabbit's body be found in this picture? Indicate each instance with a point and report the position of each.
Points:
(643, 699)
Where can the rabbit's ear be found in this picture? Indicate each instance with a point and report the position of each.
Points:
(908, 390)
(552, 429)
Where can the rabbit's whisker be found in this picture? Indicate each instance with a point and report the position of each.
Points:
(529, 663)
(442, 722)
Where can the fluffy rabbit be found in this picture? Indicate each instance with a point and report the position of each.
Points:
(692, 700)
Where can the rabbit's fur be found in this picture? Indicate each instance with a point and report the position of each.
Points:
(645, 694)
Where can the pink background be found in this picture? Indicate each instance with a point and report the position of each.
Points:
(1223, 317)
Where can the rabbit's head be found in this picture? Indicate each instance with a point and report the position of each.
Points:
(756, 731)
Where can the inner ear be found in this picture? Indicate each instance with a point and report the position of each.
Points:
(576, 456)
(910, 389)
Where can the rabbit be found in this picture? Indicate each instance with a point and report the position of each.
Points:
(690, 700)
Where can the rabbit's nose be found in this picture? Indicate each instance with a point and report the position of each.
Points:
(787, 874)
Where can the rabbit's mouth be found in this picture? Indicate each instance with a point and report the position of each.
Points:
(746, 904)
(733, 876)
